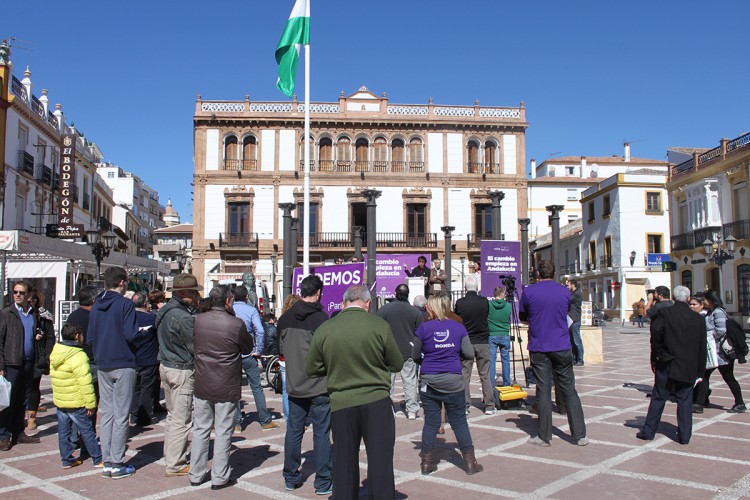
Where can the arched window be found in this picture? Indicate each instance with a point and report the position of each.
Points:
(687, 279)
(362, 163)
(398, 156)
(491, 163)
(743, 289)
(472, 157)
(380, 155)
(311, 145)
(231, 153)
(344, 155)
(249, 153)
(416, 155)
(325, 154)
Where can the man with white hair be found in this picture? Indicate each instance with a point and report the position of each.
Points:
(474, 311)
(678, 359)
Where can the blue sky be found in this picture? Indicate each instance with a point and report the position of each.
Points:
(591, 73)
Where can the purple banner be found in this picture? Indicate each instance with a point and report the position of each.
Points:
(389, 270)
(336, 279)
(499, 258)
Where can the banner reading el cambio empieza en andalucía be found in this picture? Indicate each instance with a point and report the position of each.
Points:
(389, 271)
(336, 279)
(499, 258)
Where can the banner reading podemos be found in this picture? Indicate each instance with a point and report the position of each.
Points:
(336, 279)
(499, 258)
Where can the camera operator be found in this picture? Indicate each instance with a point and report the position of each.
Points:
(657, 300)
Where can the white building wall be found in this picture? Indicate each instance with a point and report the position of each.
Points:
(268, 148)
(213, 150)
(436, 211)
(287, 148)
(541, 195)
(215, 213)
(263, 211)
(335, 208)
(509, 215)
(459, 214)
(390, 217)
(435, 152)
(509, 154)
(455, 153)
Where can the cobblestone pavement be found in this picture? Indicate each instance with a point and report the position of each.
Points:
(716, 463)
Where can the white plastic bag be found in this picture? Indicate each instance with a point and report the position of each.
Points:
(712, 358)
(4, 393)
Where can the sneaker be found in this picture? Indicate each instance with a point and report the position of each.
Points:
(410, 416)
(490, 411)
(121, 472)
(324, 491)
(74, 463)
(107, 472)
(291, 487)
(583, 441)
(578, 363)
(238, 428)
(537, 441)
(182, 472)
(737, 409)
(269, 426)
(697, 408)
(100, 465)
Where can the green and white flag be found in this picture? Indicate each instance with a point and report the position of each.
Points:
(296, 33)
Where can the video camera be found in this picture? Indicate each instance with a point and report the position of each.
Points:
(509, 282)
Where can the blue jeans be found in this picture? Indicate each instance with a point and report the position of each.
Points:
(502, 342)
(455, 411)
(252, 372)
(284, 395)
(575, 333)
(66, 419)
(319, 408)
(640, 321)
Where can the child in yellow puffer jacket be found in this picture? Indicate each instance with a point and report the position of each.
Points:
(73, 394)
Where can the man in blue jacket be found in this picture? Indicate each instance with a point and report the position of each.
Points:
(111, 332)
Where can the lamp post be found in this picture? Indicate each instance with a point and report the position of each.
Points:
(101, 243)
(715, 252)
(463, 276)
(632, 258)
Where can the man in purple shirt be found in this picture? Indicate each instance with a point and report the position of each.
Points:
(544, 306)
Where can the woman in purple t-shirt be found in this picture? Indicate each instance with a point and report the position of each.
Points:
(439, 346)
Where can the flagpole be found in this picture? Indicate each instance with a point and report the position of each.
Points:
(306, 146)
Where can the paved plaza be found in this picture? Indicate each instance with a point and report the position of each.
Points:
(716, 463)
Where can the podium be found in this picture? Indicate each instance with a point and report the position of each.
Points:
(416, 287)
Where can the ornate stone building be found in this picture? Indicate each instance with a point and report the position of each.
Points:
(433, 163)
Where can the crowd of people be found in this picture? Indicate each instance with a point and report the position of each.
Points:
(118, 350)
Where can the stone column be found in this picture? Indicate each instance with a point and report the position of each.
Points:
(497, 197)
(554, 218)
(358, 242)
(524, 250)
(285, 249)
(372, 205)
(448, 234)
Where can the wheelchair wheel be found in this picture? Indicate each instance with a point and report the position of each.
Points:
(273, 371)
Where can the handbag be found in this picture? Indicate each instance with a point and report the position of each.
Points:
(712, 358)
(5, 386)
(727, 348)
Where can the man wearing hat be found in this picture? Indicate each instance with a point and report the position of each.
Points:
(174, 328)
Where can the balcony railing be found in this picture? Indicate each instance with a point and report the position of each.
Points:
(684, 241)
(343, 166)
(416, 166)
(380, 166)
(739, 229)
(699, 160)
(712, 233)
(25, 162)
(383, 240)
(302, 166)
(591, 264)
(46, 175)
(473, 167)
(326, 165)
(398, 166)
(474, 240)
(238, 240)
(361, 166)
(492, 168)
(235, 164)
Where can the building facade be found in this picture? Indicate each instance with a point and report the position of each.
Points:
(709, 193)
(434, 165)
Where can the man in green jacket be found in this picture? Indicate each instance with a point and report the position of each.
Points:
(357, 352)
(499, 323)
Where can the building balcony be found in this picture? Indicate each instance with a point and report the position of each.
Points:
(238, 240)
(25, 162)
(698, 161)
(474, 168)
(712, 233)
(383, 240)
(234, 164)
(474, 240)
(684, 241)
(738, 229)
(492, 168)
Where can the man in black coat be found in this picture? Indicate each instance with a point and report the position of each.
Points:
(678, 359)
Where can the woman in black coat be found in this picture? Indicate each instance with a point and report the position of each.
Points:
(44, 342)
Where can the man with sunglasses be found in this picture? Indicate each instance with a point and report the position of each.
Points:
(18, 353)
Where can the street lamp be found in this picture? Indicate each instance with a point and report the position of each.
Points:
(101, 243)
(716, 254)
(632, 258)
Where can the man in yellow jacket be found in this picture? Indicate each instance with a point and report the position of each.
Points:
(73, 394)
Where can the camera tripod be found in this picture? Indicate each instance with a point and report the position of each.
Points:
(515, 329)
